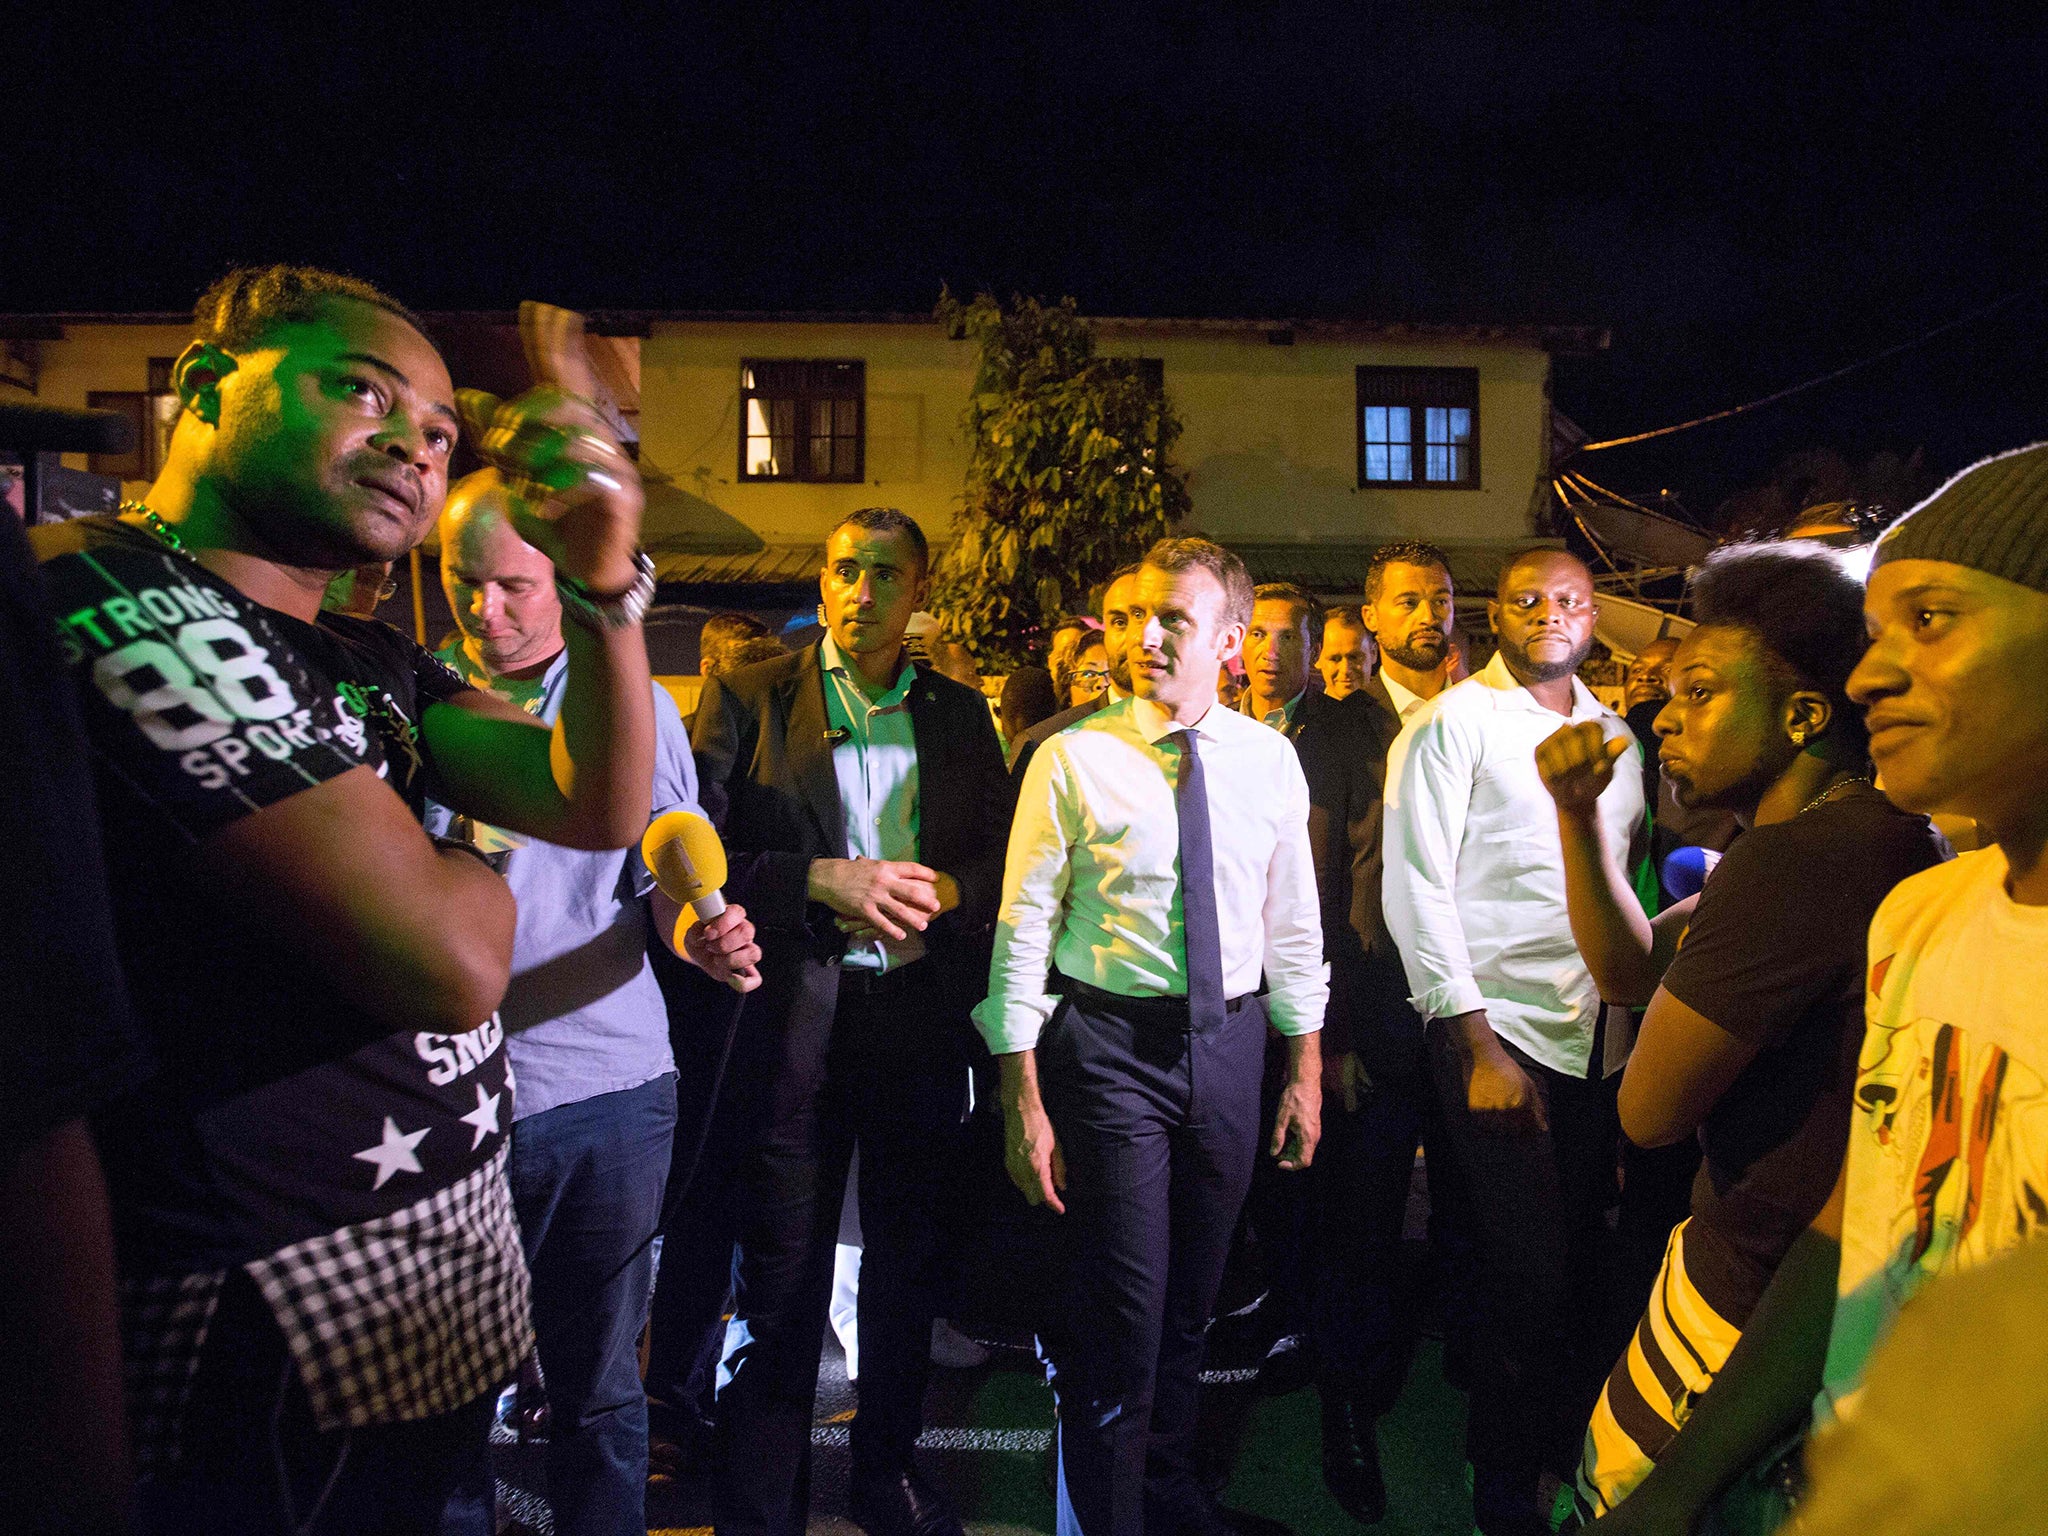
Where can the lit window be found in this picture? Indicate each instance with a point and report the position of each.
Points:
(801, 419)
(1388, 455)
(1449, 443)
(1418, 427)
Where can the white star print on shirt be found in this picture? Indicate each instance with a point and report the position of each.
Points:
(484, 1117)
(394, 1154)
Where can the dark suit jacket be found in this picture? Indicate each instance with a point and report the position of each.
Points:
(1039, 734)
(1343, 746)
(764, 773)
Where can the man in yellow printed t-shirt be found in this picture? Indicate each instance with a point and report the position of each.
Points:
(1947, 1163)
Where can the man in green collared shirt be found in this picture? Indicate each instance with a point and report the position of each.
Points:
(860, 797)
(875, 764)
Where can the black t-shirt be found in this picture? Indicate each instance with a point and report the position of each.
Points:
(67, 1043)
(1775, 954)
(281, 1111)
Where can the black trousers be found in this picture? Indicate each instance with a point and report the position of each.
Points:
(1656, 1195)
(1331, 1236)
(889, 1071)
(1159, 1127)
(253, 1460)
(1538, 1205)
(695, 1280)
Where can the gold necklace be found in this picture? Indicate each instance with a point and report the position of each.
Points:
(1832, 790)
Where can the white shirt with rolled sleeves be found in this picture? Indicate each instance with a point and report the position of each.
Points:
(1474, 881)
(1092, 882)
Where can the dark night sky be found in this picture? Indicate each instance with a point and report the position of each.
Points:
(1745, 197)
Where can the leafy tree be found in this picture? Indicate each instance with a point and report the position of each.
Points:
(1069, 475)
(1883, 486)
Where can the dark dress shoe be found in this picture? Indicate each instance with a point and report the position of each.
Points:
(901, 1504)
(1290, 1365)
(1351, 1461)
(680, 1441)
(1224, 1521)
(1206, 1515)
(1504, 1503)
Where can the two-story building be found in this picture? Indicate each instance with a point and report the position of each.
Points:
(1306, 444)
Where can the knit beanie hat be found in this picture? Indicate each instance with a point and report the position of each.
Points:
(1993, 517)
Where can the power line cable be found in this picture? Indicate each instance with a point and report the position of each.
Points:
(1827, 378)
(1589, 488)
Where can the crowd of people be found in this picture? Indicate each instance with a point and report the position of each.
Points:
(361, 1064)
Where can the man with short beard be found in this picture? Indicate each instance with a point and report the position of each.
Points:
(1409, 610)
(1381, 1098)
(1331, 1241)
(1475, 898)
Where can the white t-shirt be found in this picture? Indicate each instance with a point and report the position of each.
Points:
(1948, 1144)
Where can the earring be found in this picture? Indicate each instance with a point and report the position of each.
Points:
(1799, 738)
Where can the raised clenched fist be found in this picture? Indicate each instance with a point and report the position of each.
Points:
(1577, 764)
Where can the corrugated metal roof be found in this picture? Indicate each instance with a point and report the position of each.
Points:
(775, 565)
(1320, 567)
(1340, 568)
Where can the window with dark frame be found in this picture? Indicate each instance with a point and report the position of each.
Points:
(152, 413)
(1418, 427)
(803, 419)
(135, 463)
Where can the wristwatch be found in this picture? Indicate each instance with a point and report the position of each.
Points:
(604, 614)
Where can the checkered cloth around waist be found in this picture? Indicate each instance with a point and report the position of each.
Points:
(404, 1317)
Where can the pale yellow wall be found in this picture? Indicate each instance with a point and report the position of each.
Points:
(1270, 444)
(1270, 440)
(94, 357)
(917, 383)
(103, 357)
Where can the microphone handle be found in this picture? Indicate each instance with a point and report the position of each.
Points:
(707, 907)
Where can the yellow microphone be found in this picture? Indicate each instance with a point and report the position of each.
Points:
(683, 853)
(687, 860)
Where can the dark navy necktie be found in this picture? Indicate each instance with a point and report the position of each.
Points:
(1198, 888)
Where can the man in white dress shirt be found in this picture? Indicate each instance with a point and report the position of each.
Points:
(1158, 864)
(1523, 1062)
